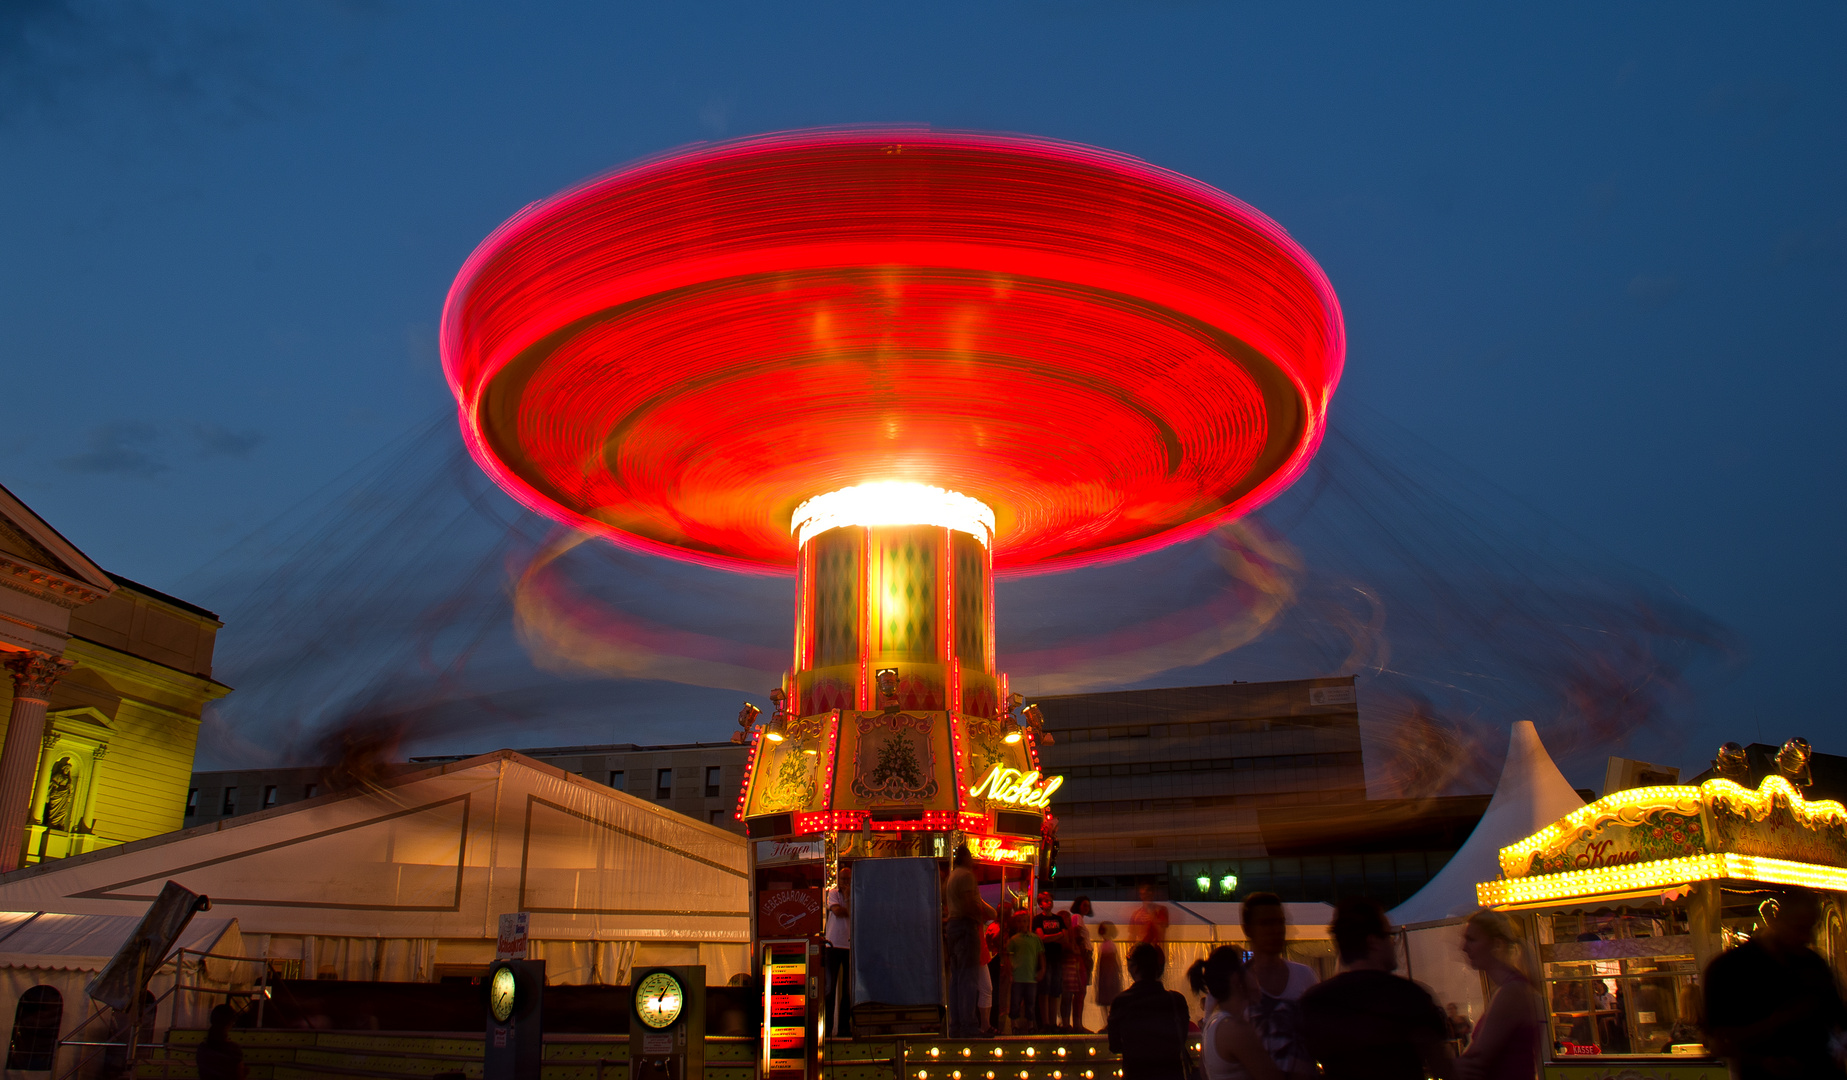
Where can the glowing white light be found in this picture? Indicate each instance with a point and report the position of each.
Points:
(891, 502)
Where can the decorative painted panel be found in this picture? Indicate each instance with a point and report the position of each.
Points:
(894, 761)
(786, 776)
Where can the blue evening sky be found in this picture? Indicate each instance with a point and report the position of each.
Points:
(1595, 253)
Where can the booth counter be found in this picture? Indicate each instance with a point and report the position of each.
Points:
(1626, 901)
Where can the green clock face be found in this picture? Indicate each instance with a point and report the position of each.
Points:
(658, 1000)
(501, 989)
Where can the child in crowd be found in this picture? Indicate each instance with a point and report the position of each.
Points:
(1028, 955)
(1109, 966)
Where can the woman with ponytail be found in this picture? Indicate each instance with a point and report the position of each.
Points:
(1506, 1041)
(1229, 1045)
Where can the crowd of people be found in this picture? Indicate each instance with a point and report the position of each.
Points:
(1031, 971)
(1770, 1006)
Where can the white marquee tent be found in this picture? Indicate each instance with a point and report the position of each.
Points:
(64, 952)
(407, 879)
(1532, 794)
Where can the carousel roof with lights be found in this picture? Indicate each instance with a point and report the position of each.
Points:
(1108, 355)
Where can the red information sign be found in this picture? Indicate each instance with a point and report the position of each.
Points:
(788, 912)
(785, 994)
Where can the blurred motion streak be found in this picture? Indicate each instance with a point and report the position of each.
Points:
(1262, 570)
(412, 608)
(565, 631)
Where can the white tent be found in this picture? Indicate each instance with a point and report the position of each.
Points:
(1532, 794)
(64, 952)
(406, 879)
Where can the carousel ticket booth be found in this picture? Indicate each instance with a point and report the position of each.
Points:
(892, 743)
(1626, 901)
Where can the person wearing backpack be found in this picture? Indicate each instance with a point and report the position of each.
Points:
(1148, 1022)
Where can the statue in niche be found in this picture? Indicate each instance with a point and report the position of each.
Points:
(61, 796)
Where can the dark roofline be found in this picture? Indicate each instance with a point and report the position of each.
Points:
(1235, 686)
(594, 748)
(165, 598)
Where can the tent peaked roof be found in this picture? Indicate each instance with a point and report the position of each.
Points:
(39, 939)
(1531, 795)
(439, 853)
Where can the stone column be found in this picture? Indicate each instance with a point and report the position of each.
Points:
(34, 674)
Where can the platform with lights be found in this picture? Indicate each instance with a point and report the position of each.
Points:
(1626, 900)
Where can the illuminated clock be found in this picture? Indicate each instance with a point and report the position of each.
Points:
(502, 989)
(658, 999)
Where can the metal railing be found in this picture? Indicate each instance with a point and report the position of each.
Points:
(131, 1024)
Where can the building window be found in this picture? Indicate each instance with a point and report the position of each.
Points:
(663, 783)
(269, 796)
(617, 778)
(192, 803)
(717, 817)
(711, 781)
(230, 802)
(35, 1029)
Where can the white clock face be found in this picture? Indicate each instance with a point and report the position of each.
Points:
(500, 991)
(658, 1000)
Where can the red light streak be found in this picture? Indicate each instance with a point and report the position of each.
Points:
(1112, 356)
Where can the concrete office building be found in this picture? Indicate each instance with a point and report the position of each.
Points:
(1154, 777)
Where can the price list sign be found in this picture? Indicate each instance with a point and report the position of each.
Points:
(785, 1008)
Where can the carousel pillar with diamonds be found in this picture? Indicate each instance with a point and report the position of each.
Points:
(914, 599)
(34, 674)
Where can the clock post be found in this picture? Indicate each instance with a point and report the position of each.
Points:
(515, 1046)
(666, 1033)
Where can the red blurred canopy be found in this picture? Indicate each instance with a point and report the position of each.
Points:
(1110, 355)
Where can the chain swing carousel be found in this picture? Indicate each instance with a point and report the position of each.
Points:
(894, 363)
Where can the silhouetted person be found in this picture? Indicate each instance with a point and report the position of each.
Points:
(1148, 1022)
(1459, 1025)
(1276, 1006)
(1230, 1047)
(219, 1058)
(1027, 954)
(1054, 930)
(968, 916)
(1150, 920)
(1505, 1044)
(1109, 965)
(1367, 1023)
(1771, 1002)
(837, 948)
(1079, 965)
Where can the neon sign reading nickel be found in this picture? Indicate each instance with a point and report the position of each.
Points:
(1015, 788)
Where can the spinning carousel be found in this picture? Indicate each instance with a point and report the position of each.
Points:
(892, 363)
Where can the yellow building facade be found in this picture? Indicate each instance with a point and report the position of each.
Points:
(108, 682)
